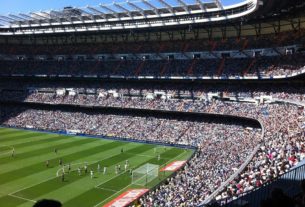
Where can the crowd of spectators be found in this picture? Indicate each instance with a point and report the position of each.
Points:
(255, 42)
(222, 148)
(263, 66)
(282, 149)
(165, 97)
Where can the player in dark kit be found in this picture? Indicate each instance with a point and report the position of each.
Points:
(63, 177)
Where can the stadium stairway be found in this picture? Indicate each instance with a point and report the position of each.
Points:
(245, 45)
(252, 63)
(117, 67)
(139, 68)
(221, 67)
(213, 46)
(191, 67)
(164, 67)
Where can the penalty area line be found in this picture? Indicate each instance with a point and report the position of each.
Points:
(143, 155)
(123, 189)
(22, 198)
(107, 189)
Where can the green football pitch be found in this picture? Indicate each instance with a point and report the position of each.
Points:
(26, 178)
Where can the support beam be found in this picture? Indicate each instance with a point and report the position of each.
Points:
(258, 28)
(185, 7)
(4, 20)
(295, 25)
(112, 12)
(219, 4)
(18, 18)
(169, 7)
(107, 8)
(155, 9)
(49, 17)
(123, 9)
(96, 11)
(85, 12)
(60, 16)
(202, 7)
(39, 15)
(138, 9)
(7, 18)
(46, 13)
(27, 16)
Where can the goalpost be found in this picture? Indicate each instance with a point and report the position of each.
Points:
(145, 174)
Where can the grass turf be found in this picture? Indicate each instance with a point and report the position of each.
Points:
(25, 178)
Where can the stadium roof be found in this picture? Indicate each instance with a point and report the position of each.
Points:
(138, 8)
(128, 10)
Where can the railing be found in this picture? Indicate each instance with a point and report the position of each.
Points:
(288, 182)
(161, 76)
(233, 176)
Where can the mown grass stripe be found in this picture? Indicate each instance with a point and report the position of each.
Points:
(113, 184)
(39, 167)
(49, 155)
(12, 133)
(22, 132)
(39, 141)
(76, 179)
(35, 181)
(94, 195)
(6, 133)
(9, 130)
(9, 201)
(20, 136)
(117, 183)
(55, 184)
(48, 148)
(5, 148)
(20, 141)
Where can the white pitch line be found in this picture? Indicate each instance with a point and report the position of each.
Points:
(109, 179)
(32, 185)
(107, 189)
(136, 184)
(125, 171)
(10, 152)
(50, 178)
(141, 155)
(22, 198)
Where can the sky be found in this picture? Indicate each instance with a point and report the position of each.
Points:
(26, 6)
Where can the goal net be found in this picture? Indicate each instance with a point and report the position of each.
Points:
(145, 174)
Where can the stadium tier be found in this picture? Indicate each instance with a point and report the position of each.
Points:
(260, 67)
(154, 103)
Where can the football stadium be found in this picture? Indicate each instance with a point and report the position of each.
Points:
(154, 103)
